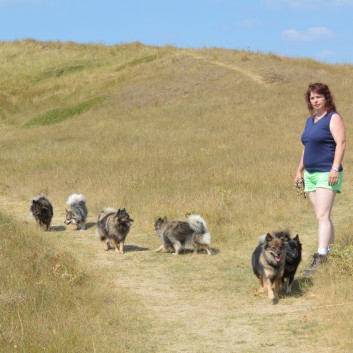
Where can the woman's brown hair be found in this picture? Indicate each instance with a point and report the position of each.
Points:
(323, 89)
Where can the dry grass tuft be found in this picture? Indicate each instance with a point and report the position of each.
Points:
(48, 302)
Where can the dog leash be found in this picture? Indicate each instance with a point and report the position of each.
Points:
(300, 187)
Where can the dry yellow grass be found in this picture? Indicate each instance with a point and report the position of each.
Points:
(211, 131)
(49, 301)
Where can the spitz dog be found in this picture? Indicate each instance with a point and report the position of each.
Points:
(77, 212)
(268, 262)
(176, 235)
(113, 227)
(42, 211)
(293, 258)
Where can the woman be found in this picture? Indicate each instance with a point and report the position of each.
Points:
(324, 145)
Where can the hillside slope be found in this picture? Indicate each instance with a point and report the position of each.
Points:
(168, 132)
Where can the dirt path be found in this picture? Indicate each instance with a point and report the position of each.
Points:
(256, 78)
(196, 303)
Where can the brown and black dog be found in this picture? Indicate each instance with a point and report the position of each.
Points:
(268, 263)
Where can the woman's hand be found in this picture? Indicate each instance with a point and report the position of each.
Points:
(298, 179)
(333, 177)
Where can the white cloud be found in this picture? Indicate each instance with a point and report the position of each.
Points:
(313, 33)
(326, 54)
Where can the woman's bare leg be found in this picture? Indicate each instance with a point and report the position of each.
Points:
(322, 200)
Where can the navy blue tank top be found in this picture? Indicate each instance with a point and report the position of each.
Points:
(320, 145)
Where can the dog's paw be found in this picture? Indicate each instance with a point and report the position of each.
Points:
(274, 301)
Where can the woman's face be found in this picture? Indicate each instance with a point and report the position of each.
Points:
(318, 101)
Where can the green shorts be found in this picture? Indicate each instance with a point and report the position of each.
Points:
(316, 180)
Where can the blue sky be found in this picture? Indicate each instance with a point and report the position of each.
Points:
(317, 29)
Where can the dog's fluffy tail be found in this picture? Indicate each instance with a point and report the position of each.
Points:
(107, 210)
(75, 198)
(104, 212)
(199, 225)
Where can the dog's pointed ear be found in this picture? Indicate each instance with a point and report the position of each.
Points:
(268, 237)
(296, 237)
(164, 219)
(121, 211)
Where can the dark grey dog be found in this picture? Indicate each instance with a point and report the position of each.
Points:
(113, 227)
(77, 212)
(176, 235)
(42, 211)
(293, 258)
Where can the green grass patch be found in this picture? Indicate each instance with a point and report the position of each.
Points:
(58, 115)
(67, 69)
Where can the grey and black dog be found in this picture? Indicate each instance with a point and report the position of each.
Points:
(42, 211)
(113, 227)
(77, 212)
(177, 235)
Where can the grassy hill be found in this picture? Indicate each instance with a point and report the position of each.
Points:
(166, 132)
